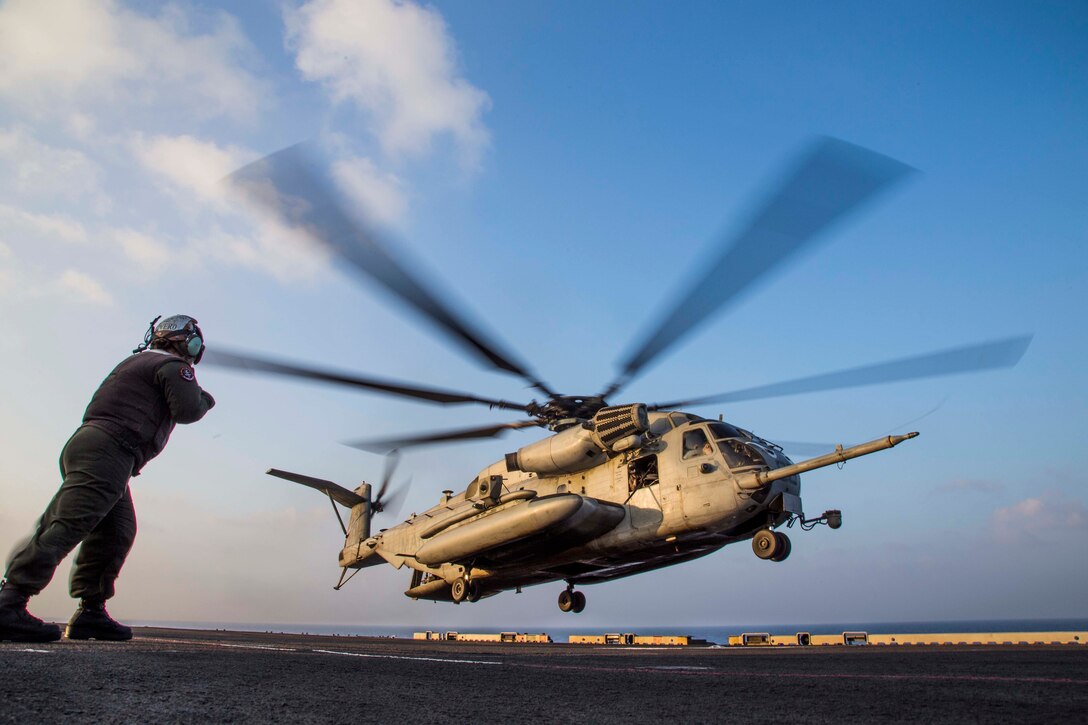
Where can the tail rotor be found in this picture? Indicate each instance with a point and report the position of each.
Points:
(389, 500)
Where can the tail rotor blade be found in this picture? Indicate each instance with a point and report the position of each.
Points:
(391, 461)
(392, 503)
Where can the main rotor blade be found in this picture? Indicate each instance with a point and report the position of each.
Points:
(288, 184)
(831, 179)
(389, 444)
(971, 358)
(240, 361)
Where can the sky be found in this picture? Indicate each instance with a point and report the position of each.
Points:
(560, 170)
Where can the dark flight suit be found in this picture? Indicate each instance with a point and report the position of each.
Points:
(127, 423)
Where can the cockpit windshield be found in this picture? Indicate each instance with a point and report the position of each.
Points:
(739, 454)
(724, 430)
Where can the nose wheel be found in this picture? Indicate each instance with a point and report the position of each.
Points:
(571, 601)
(771, 545)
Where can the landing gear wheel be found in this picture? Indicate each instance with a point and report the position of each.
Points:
(784, 547)
(579, 602)
(472, 593)
(765, 544)
(459, 590)
(566, 600)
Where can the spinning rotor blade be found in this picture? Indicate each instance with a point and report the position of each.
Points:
(832, 179)
(806, 448)
(464, 434)
(390, 504)
(985, 356)
(223, 358)
(809, 448)
(288, 184)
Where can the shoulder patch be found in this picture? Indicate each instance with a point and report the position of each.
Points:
(186, 373)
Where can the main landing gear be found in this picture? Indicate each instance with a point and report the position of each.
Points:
(771, 545)
(465, 589)
(571, 601)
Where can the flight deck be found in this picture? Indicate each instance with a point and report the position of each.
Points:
(174, 675)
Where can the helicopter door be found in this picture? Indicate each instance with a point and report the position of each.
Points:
(643, 491)
(642, 472)
(697, 453)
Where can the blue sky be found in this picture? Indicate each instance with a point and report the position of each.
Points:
(561, 170)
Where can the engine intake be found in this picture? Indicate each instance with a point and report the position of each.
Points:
(618, 422)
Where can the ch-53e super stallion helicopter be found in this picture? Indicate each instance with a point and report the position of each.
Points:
(618, 488)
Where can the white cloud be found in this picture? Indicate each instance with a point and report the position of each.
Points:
(38, 170)
(380, 194)
(396, 61)
(271, 248)
(235, 234)
(191, 164)
(1040, 518)
(28, 228)
(148, 254)
(84, 287)
(80, 126)
(59, 54)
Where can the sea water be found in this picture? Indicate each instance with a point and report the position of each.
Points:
(718, 634)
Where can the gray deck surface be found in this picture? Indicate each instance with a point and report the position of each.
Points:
(167, 675)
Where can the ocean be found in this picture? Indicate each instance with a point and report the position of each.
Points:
(718, 634)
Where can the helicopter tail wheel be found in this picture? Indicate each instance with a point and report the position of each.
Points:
(766, 544)
(579, 602)
(472, 592)
(459, 590)
(566, 600)
(784, 547)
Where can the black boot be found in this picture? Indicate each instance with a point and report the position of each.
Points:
(19, 625)
(92, 621)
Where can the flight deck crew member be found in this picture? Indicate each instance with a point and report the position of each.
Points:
(127, 423)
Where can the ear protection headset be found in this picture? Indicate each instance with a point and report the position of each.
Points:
(181, 331)
(193, 344)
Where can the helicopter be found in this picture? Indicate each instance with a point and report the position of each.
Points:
(617, 487)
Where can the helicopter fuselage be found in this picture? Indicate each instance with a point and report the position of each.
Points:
(683, 492)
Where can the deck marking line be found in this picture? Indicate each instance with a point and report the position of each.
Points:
(813, 675)
(198, 643)
(404, 657)
(678, 668)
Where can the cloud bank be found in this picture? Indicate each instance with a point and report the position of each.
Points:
(397, 62)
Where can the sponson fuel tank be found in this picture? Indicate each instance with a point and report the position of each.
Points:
(584, 446)
(568, 511)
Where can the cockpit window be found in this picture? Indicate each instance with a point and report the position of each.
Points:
(724, 430)
(696, 444)
(739, 454)
(678, 419)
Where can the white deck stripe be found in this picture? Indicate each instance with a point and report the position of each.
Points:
(403, 657)
(200, 643)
